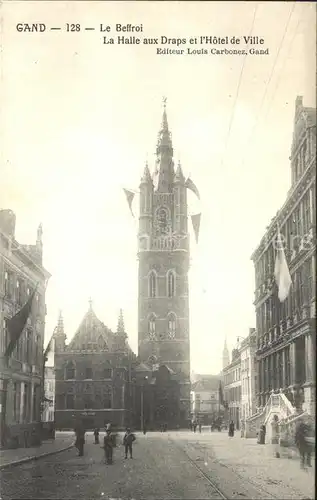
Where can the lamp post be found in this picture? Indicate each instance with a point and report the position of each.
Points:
(142, 404)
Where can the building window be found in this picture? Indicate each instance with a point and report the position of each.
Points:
(70, 401)
(70, 371)
(107, 373)
(18, 293)
(7, 284)
(170, 283)
(15, 406)
(25, 402)
(107, 401)
(152, 285)
(162, 221)
(28, 347)
(171, 325)
(88, 373)
(152, 327)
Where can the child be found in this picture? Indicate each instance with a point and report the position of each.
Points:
(127, 441)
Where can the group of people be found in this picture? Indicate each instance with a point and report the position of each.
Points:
(194, 424)
(109, 442)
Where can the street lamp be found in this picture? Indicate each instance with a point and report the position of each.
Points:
(142, 404)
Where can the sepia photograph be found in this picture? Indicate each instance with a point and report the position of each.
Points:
(157, 250)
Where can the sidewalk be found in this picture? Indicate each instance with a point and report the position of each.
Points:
(62, 441)
(256, 464)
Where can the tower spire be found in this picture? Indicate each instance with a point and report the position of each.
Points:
(164, 153)
(120, 326)
(225, 354)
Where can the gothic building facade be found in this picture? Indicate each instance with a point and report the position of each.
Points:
(163, 316)
(92, 375)
(21, 270)
(286, 332)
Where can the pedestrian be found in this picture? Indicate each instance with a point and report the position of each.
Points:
(80, 439)
(108, 447)
(191, 425)
(303, 432)
(128, 439)
(144, 429)
(96, 434)
(231, 429)
(195, 426)
(200, 427)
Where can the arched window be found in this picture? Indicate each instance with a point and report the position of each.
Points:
(152, 327)
(152, 284)
(162, 220)
(171, 325)
(70, 370)
(170, 284)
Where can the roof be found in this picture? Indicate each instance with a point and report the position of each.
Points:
(206, 383)
(142, 367)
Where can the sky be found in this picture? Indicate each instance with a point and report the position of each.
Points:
(81, 118)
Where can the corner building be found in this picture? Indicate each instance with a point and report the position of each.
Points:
(21, 379)
(286, 332)
(163, 316)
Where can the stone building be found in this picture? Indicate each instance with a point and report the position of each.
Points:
(163, 333)
(286, 332)
(205, 404)
(232, 388)
(247, 350)
(92, 375)
(21, 269)
(49, 393)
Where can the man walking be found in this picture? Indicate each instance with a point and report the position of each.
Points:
(128, 439)
(108, 447)
(80, 439)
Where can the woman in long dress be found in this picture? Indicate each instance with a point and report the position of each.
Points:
(231, 429)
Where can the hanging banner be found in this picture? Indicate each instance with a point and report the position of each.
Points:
(196, 224)
(129, 196)
(190, 185)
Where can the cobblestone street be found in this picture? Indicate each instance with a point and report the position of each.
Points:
(172, 465)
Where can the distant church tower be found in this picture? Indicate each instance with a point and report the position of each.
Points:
(225, 356)
(163, 318)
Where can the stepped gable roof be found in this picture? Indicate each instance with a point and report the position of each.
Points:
(91, 331)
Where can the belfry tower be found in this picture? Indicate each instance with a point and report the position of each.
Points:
(163, 317)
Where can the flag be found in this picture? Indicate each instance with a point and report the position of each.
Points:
(47, 350)
(129, 196)
(155, 177)
(221, 399)
(281, 272)
(17, 323)
(190, 185)
(196, 225)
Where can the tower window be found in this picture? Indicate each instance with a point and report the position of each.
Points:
(70, 371)
(88, 373)
(162, 220)
(170, 284)
(152, 327)
(152, 285)
(171, 325)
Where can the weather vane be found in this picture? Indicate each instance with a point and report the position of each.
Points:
(164, 101)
